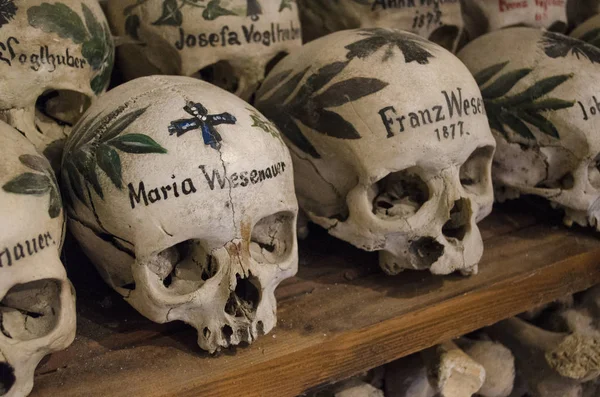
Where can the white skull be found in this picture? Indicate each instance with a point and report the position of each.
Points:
(182, 196)
(541, 95)
(391, 152)
(54, 58)
(37, 304)
(440, 21)
(482, 16)
(230, 44)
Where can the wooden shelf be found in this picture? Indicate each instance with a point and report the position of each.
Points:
(340, 316)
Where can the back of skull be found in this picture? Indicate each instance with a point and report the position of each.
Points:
(439, 21)
(228, 44)
(37, 306)
(543, 106)
(391, 152)
(182, 196)
(55, 57)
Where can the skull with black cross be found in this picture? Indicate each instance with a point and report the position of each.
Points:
(37, 302)
(439, 21)
(55, 58)
(391, 152)
(182, 196)
(231, 44)
(541, 94)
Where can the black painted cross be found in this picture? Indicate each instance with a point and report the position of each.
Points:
(203, 121)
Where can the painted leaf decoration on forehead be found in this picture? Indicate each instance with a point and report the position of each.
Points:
(8, 10)
(60, 19)
(559, 46)
(413, 47)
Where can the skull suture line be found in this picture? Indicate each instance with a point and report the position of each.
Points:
(390, 151)
(55, 57)
(37, 304)
(540, 91)
(440, 22)
(228, 44)
(182, 196)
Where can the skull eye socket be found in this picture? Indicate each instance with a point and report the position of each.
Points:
(399, 195)
(30, 311)
(220, 74)
(184, 267)
(62, 107)
(272, 238)
(476, 171)
(7, 378)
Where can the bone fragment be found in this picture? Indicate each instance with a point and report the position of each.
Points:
(407, 377)
(357, 388)
(452, 372)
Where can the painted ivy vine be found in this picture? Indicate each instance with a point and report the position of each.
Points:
(96, 148)
(524, 109)
(95, 38)
(42, 182)
(559, 46)
(310, 104)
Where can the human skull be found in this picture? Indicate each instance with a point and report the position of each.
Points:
(440, 21)
(483, 16)
(230, 44)
(55, 57)
(579, 11)
(182, 196)
(37, 304)
(391, 152)
(541, 95)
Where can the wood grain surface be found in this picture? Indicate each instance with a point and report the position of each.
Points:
(338, 317)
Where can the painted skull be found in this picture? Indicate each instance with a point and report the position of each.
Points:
(37, 303)
(55, 57)
(391, 153)
(439, 21)
(182, 196)
(483, 16)
(229, 44)
(589, 31)
(544, 109)
(579, 11)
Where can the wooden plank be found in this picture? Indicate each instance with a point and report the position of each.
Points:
(338, 317)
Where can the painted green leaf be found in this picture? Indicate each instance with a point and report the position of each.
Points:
(517, 126)
(29, 184)
(171, 14)
(285, 4)
(121, 124)
(253, 7)
(542, 123)
(74, 181)
(132, 25)
(273, 81)
(54, 152)
(93, 26)
(94, 51)
(36, 163)
(483, 76)
(55, 204)
(592, 37)
(559, 46)
(412, 46)
(547, 104)
(496, 124)
(214, 10)
(100, 82)
(110, 162)
(287, 88)
(348, 91)
(325, 75)
(332, 124)
(292, 132)
(137, 143)
(58, 18)
(504, 83)
(86, 166)
(539, 89)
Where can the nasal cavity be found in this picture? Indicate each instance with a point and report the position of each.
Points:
(7, 378)
(425, 252)
(460, 220)
(243, 302)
